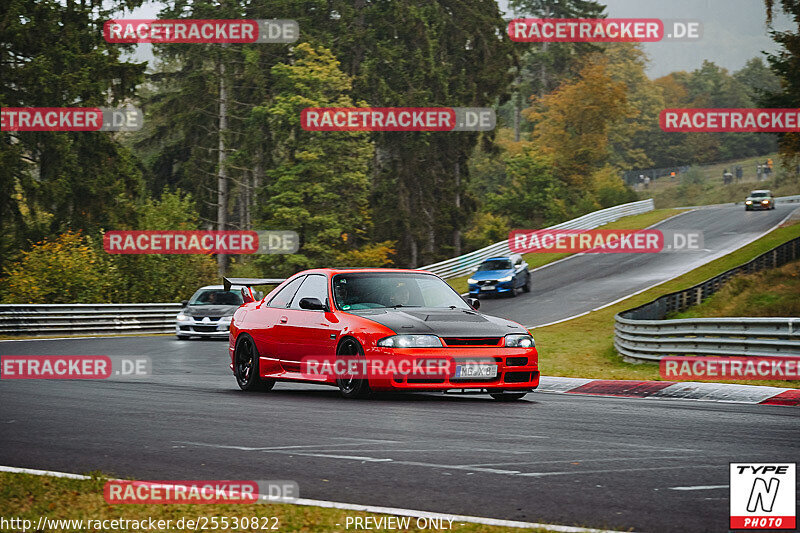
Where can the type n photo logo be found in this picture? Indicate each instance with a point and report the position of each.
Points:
(763, 496)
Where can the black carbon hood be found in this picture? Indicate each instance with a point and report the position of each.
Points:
(441, 322)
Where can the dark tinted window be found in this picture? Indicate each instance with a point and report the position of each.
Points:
(392, 289)
(315, 286)
(284, 296)
(495, 264)
(217, 297)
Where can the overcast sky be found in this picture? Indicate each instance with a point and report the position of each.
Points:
(733, 31)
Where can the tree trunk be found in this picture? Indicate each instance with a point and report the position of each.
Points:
(222, 173)
(543, 69)
(457, 230)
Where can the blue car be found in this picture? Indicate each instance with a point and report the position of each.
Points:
(500, 275)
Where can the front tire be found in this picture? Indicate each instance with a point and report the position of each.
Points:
(508, 396)
(351, 387)
(527, 286)
(182, 337)
(245, 367)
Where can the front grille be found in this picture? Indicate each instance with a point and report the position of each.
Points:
(424, 380)
(205, 329)
(472, 341)
(516, 361)
(212, 318)
(517, 377)
(475, 380)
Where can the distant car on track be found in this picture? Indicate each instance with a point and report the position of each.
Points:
(208, 312)
(761, 199)
(500, 275)
(378, 316)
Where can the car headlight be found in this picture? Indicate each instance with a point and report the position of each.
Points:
(411, 341)
(226, 318)
(471, 281)
(519, 341)
(181, 317)
(764, 201)
(748, 202)
(507, 278)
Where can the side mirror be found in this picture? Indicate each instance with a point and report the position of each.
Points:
(184, 303)
(246, 296)
(312, 304)
(474, 303)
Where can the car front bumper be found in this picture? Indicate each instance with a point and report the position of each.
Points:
(193, 328)
(497, 288)
(517, 369)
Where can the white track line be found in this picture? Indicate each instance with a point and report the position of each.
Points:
(398, 511)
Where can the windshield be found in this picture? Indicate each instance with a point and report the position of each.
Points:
(371, 290)
(759, 194)
(495, 264)
(217, 297)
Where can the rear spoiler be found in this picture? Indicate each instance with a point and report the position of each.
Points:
(249, 282)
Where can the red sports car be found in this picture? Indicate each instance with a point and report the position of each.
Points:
(367, 330)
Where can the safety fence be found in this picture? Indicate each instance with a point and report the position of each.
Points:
(642, 334)
(87, 319)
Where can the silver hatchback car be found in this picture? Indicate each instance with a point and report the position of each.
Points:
(208, 312)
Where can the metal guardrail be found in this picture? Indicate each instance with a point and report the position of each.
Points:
(87, 319)
(642, 334)
(461, 265)
(101, 319)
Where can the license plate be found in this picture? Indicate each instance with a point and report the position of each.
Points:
(476, 371)
(487, 288)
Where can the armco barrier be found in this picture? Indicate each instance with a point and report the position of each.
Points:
(641, 334)
(461, 265)
(87, 319)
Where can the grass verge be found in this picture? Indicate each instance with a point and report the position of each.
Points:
(642, 221)
(774, 292)
(29, 497)
(584, 347)
(703, 185)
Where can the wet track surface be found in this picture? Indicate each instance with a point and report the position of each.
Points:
(651, 465)
(589, 461)
(584, 282)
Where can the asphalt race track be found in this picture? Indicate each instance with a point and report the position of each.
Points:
(650, 465)
(589, 461)
(584, 282)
